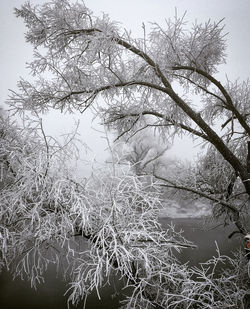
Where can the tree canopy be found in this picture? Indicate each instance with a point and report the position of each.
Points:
(140, 81)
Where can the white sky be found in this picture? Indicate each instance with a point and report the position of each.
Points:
(14, 52)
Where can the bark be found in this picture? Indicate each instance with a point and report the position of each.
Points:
(248, 156)
(214, 139)
(229, 102)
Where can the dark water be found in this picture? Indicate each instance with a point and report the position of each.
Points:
(18, 294)
(205, 236)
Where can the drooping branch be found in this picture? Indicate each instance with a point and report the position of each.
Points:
(129, 47)
(95, 91)
(163, 117)
(215, 140)
(170, 184)
(236, 213)
(147, 59)
(202, 88)
(229, 102)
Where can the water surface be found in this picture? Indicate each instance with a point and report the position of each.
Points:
(18, 294)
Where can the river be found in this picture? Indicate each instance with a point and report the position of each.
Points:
(18, 294)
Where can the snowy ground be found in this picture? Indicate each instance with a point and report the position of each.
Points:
(194, 209)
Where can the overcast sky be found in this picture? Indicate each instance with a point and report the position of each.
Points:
(14, 52)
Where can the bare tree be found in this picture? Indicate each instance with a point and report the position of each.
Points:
(143, 151)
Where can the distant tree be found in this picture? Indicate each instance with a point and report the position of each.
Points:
(143, 152)
(45, 206)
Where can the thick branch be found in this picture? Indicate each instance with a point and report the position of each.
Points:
(173, 185)
(248, 156)
(223, 91)
(146, 58)
(164, 117)
(129, 47)
(232, 208)
(213, 138)
(110, 86)
(201, 87)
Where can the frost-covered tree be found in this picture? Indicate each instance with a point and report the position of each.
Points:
(97, 228)
(140, 79)
(44, 208)
(143, 152)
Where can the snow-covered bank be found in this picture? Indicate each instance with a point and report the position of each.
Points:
(195, 209)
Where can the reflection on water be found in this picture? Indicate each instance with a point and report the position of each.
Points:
(18, 294)
(205, 237)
